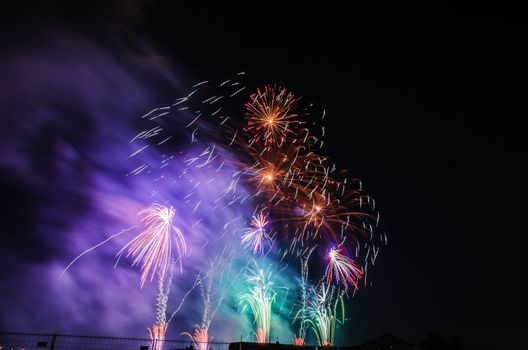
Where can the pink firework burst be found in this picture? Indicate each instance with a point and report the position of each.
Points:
(152, 248)
(157, 335)
(256, 236)
(343, 269)
(200, 337)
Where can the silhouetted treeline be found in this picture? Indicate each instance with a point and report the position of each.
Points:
(432, 341)
(435, 341)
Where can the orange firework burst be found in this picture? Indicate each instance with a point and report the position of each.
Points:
(335, 211)
(298, 188)
(267, 169)
(280, 170)
(270, 115)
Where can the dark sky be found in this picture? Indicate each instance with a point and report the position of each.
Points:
(424, 104)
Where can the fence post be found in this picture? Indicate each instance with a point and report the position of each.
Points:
(53, 340)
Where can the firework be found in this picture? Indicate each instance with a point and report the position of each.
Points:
(298, 341)
(284, 183)
(342, 268)
(270, 170)
(337, 213)
(157, 335)
(301, 313)
(297, 189)
(200, 337)
(267, 169)
(289, 167)
(270, 115)
(259, 299)
(163, 297)
(256, 236)
(322, 310)
(158, 330)
(152, 247)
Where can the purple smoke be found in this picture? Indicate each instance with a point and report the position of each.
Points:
(70, 110)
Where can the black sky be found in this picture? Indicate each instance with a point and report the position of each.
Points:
(425, 105)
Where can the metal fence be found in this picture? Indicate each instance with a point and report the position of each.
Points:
(33, 341)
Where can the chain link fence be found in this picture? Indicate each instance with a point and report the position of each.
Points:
(35, 341)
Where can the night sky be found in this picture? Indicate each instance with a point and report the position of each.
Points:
(424, 104)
